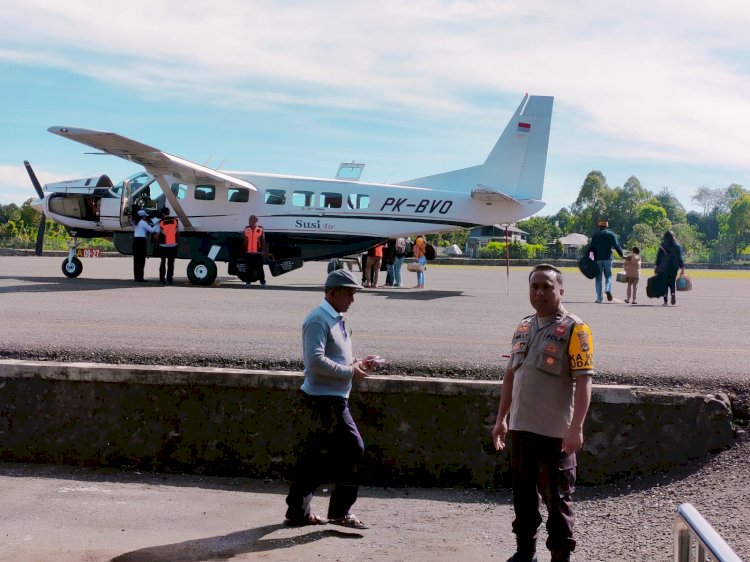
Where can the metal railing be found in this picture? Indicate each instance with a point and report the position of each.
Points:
(690, 524)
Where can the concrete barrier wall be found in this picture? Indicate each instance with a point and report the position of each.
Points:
(417, 431)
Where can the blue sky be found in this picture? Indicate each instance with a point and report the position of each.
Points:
(656, 89)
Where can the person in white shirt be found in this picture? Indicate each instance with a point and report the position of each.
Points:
(142, 229)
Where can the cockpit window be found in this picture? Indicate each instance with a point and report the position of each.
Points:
(137, 181)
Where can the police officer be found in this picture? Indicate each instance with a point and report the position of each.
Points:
(254, 246)
(142, 229)
(168, 227)
(546, 390)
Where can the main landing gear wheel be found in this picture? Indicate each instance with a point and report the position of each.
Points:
(201, 271)
(72, 268)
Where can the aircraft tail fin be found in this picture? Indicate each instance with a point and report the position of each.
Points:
(515, 167)
(517, 163)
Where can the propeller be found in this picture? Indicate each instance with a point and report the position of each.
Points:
(43, 221)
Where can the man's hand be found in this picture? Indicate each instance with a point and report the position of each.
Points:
(370, 362)
(498, 434)
(358, 373)
(572, 440)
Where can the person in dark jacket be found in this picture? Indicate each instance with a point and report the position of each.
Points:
(602, 244)
(668, 262)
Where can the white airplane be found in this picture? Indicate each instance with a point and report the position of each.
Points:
(304, 218)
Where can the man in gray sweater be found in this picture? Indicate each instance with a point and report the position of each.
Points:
(330, 367)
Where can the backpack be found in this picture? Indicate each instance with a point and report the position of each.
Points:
(430, 252)
(400, 247)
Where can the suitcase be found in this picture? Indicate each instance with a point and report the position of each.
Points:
(588, 267)
(656, 287)
(621, 277)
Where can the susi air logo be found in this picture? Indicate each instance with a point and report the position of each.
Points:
(313, 225)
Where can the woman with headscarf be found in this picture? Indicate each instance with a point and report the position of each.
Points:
(668, 262)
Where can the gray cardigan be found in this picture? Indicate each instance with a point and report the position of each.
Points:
(327, 353)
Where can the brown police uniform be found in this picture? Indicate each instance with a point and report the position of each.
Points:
(547, 354)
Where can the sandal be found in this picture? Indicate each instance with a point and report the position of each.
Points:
(350, 520)
(311, 519)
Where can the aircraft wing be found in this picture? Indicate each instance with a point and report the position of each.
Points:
(152, 159)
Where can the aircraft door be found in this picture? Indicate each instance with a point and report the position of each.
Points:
(125, 194)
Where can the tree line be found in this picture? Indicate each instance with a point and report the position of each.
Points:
(719, 233)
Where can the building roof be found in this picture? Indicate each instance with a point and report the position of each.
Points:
(574, 239)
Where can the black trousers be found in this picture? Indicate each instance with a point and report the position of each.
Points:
(330, 451)
(255, 266)
(166, 266)
(539, 469)
(139, 258)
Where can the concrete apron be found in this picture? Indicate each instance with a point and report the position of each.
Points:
(417, 431)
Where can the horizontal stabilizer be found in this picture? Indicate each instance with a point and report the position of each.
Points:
(482, 193)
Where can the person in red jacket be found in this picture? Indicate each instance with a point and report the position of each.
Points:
(254, 247)
(167, 237)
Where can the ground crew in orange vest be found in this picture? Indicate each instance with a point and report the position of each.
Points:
(254, 246)
(167, 246)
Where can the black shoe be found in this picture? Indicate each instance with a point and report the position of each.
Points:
(609, 296)
(523, 558)
(560, 556)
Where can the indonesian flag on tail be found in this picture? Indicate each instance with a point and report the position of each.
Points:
(524, 127)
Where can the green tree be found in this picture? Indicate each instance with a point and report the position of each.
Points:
(642, 236)
(655, 216)
(675, 211)
(541, 229)
(738, 224)
(622, 213)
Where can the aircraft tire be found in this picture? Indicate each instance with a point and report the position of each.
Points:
(201, 271)
(72, 269)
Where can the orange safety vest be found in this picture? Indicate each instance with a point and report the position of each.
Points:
(169, 231)
(253, 238)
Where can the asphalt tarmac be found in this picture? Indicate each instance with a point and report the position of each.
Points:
(459, 326)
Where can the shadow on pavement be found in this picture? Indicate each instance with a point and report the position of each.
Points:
(225, 547)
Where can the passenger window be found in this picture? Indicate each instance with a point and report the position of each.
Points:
(358, 201)
(238, 195)
(330, 200)
(275, 197)
(205, 192)
(303, 198)
(179, 190)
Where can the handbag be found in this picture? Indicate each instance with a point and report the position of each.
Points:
(588, 267)
(416, 267)
(621, 277)
(684, 283)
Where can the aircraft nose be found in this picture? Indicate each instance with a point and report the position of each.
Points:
(38, 205)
